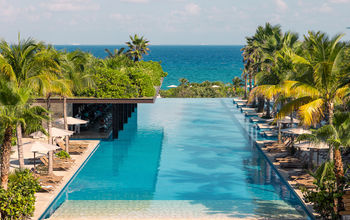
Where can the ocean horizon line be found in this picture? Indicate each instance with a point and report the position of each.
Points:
(150, 45)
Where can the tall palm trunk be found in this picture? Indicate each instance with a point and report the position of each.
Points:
(49, 122)
(50, 168)
(245, 87)
(65, 122)
(268, 112)
(19, 145)
(338, 163)
(330, 111)
(279, 131)
(250, 82)
(5, 157)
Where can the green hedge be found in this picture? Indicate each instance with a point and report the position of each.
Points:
(17, 202)
(200, 90)
(122, 78)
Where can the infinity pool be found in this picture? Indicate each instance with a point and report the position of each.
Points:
(179, 158)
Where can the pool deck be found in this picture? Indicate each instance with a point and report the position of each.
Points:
(43, 200)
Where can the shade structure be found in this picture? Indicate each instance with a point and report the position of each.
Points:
(286, 120)
(215, 86)
(172, 86)
(296, 131)
(37, 135)
(55, 132)
(40, 147)
(71, 121)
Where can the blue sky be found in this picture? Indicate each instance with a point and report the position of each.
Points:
(216, 22)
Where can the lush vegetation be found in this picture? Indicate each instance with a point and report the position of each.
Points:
(120, 77)
(17, 202)
(205, 89)
(310, 79)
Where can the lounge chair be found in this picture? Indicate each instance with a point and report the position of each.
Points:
(49, 178)
(79, 145)
(46, 187)
(56, 165)
(72, 150)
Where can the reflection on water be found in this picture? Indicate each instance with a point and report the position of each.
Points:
(182, 157)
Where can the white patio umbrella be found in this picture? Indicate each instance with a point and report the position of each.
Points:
(172, 86)
(286, 120)
(55, 132)
(37, 135)
(296, 131)
(215, 86)
(71, 121)
(40, 147)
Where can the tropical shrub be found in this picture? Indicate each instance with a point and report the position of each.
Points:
(119, 77)
(200, 90)
(63, 154)
(111, 83)
(17, 202)
(327, 194)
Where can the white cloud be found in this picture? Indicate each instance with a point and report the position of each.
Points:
(71, 5)
(325, 8)
(7, 10)
(121, 17)
(135, 1)
(192, 9)
(281, 5)
(339, 1)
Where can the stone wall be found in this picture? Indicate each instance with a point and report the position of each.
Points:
(57, 110)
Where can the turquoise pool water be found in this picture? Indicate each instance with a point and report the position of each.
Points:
(179, 158)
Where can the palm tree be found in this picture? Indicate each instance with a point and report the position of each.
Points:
(276, 67)
(259, 52)
(335, 135)
(183, 81)
(15, 109)
(237, 83)
(323, 82)
(138, 46)
(77, 69)
(32, 64)
(19, 64)
(115, 53)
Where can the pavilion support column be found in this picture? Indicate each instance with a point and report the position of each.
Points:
(129, 109)
(115, 124)
(125, 113)
(120, 116)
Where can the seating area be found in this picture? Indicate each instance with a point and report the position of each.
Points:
(98, 115)
(38, 163)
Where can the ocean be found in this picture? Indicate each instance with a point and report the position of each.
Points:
(196, 63)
